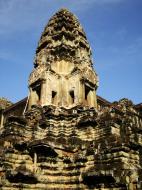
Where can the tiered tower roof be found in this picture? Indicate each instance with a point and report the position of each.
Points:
(63, 38)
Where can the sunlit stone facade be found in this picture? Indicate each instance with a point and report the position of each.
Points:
(63, 136)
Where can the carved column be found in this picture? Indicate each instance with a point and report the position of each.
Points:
(92, 99)
(2, 119)
(35, 162)
(43, 93)
(33, 98)
(81, 92)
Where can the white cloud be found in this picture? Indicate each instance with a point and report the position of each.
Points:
(109, 1)
(5, 55)
(18, 15)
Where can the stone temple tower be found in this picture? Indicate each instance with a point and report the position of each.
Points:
(63, 137)
(63, 74)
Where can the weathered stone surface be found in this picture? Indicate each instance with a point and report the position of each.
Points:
(62, 136)
(4, 103)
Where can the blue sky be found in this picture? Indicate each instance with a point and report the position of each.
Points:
(113, 28)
